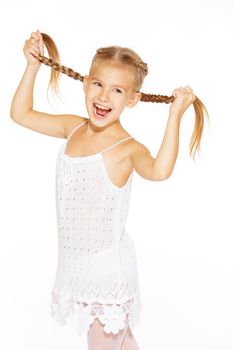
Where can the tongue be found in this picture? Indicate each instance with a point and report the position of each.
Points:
(101, 111)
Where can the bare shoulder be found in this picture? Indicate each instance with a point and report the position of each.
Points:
(71, 121)
(56, 125)
(137, 150)
(141, 159)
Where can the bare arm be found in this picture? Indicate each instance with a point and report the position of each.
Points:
(161, 167)
(22, 104)
(166, 158)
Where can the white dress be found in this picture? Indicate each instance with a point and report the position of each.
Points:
(97, 273)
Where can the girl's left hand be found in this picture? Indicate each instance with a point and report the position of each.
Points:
(184, 97)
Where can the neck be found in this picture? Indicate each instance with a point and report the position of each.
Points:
(109, 129)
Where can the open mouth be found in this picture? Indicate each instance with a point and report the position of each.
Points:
(101, 111)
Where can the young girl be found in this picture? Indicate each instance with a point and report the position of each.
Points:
(96, 287)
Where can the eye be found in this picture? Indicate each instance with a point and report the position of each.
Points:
(96, 83)
(118, 91)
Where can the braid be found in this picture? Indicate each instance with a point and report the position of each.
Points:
(156, 98)
(60, 68)
(77, 76)
(141, 65)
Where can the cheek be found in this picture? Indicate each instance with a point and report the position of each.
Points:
(119, 107)
(89, 94)
(87, 101)
(122, 102)
(119, 100)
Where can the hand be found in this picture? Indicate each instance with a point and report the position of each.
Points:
(184, 97)
(32, 47)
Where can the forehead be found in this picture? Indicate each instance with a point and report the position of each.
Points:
(112, 74)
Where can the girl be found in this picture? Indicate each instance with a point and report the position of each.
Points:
(96, 287)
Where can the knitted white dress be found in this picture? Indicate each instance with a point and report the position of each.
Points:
(97, 273)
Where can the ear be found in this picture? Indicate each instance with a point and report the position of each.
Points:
(85, 80)
(134, 99)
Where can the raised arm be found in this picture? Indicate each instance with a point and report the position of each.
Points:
(161, 167)
(22, 104)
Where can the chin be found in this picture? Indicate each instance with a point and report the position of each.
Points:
(98, 120)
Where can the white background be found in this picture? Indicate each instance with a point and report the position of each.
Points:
(181, 227)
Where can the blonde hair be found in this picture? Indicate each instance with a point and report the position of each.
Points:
(127, 58)
(122, 57)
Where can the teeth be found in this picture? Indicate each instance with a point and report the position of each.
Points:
(101, 107)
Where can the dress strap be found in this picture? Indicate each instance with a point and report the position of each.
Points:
(78, 126)
(116, 143)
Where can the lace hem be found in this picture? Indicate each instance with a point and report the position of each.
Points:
(81, 315)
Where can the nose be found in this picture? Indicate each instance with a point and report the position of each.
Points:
(103, 96)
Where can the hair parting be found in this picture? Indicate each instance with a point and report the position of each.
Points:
(128, 57)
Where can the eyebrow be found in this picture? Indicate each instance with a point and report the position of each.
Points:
(115, 85)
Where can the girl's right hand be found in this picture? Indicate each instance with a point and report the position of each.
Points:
(32, 47)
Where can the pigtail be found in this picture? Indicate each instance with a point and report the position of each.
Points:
(54, 62)
(200, 113)
(53, 57)
(156, 98)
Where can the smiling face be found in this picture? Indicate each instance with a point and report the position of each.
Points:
(109, 89)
